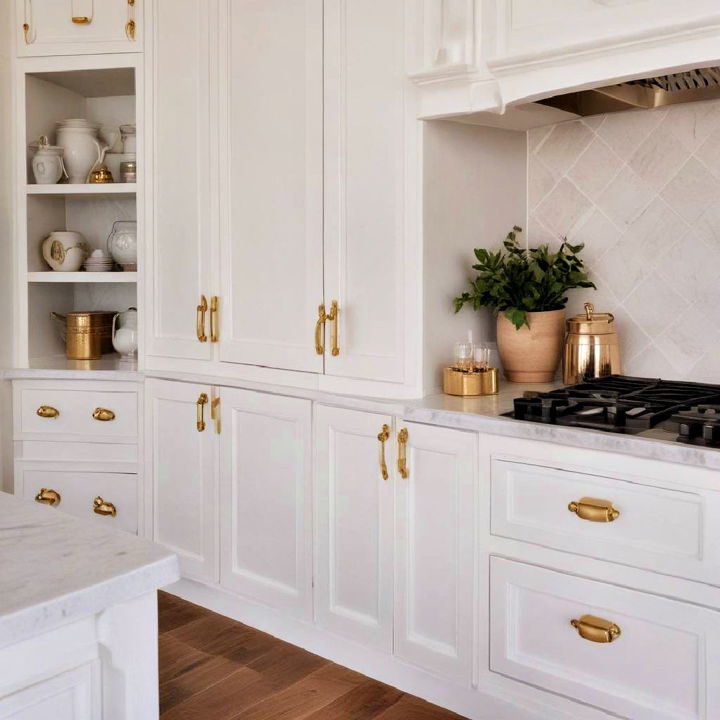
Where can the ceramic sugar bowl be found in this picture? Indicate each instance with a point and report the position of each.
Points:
(65, 251)
(47, 162)
(124, 333)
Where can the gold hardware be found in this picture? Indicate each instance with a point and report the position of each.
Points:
(594, 510)
(215, 414)
(131, 3)
(81, 20)
(130, 29)
(47, 496)
(103, 415)
(201, 310)
(320, 330)
(101, 176)
(402, 454)
(102, 507)
(383, 437)
(466, 384)
(26, 32)
(202, 401)
(333, 318)
(46, 411)
(596, 629)
(214, 319)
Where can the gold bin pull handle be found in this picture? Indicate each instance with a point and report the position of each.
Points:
(594, 510)
(402, 454)
(383, 437)
(200, 321)
(103, 415)
(102, 507)
(48, 496)
(596, 629)
(47, 411)
(202, 401)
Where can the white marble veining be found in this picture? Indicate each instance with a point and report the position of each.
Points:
(56, 568)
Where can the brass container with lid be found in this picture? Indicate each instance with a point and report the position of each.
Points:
(87, 334)
(591, 347)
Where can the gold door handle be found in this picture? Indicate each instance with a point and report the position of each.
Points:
(333, 316)
(200, 320)
(130, 29)
(320, 330)
(215, 414)
(596, 629)
(402, 454)
(103, 415)
(81, 20)
(48, 496)
(594, 510)
(214, 319)
(383, 437)
(102, 507)
(47, 411)
(202, 401)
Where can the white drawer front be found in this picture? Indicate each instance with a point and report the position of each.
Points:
(75, 410)
(655, 528)
(78, 490)
(663, 665)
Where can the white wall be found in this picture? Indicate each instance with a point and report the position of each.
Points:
(474, 192)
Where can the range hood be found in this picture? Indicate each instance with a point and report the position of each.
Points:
(647, 93)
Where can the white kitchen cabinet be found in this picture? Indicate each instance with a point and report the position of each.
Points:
(435, 550)
(266, 499)
(354, 531)
(182, 458)
(78, 27)
(271, 162)
(183, 227)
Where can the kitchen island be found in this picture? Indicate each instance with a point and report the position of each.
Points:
(78, 617)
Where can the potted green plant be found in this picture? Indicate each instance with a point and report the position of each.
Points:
(526, 290)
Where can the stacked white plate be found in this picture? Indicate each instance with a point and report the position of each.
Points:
(99, 261)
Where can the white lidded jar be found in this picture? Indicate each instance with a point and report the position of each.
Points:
(122, 244)
(47, 163)
(125, 333)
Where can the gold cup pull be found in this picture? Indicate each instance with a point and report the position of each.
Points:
(130, 29)
(202, 401)
(48, 496)
(333, 316)
(214, 319)
(383, 437)
(402, 454)
(102, 507)
(200, 321)
(594, 510)
(47, 411)
(103, 415)
(320, 330)
(81, 19)
(596, 629)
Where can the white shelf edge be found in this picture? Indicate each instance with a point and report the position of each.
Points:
(87, 189)
(48, 276)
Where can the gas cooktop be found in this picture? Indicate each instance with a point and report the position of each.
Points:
(680, 411)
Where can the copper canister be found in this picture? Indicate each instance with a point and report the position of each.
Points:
(591, 347)
(88, 335)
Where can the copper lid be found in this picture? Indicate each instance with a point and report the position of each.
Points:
(591, 323)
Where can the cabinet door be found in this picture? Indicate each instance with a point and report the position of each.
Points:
(354, 516)
(366, 151)
(271, 182)
(184, 468)
(183, 229)
(266, 512)
(435, 551)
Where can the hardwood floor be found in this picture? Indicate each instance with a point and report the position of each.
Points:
(213, 668)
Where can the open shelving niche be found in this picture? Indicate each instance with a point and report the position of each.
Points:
(104, 95)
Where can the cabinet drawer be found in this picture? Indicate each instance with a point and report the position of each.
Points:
(67, 411)
(648, 527)
(78, 490)
(663, 664)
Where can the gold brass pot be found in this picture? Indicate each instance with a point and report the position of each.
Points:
(591, 347)
(87, 334)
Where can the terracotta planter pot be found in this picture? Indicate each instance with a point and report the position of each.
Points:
(531, 354)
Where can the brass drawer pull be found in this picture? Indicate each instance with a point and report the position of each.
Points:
(214, 319)
(47, 411)
(320, 330)
(596, 629)
(103, 415)
(102, 507)
(594, 510)
(202, 401)
(81, 20)
(402, 454)
(383, 437)
(333, 318)
(200, 321)
(48, 496)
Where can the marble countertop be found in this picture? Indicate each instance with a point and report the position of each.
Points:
(55, 568)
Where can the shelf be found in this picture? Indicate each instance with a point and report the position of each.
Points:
(49, 276)
(116, 367)
(88, 190)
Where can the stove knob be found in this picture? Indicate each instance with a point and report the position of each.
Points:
(711, 433)
(689, 430)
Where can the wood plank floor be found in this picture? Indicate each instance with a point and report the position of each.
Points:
(213, 668)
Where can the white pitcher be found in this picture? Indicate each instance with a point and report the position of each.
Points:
(124, 333)
(82, 149)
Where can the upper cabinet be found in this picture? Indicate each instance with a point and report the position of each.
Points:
(78, 27)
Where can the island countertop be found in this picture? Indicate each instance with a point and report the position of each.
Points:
(55, 568)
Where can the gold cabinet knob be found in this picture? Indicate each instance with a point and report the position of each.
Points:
(103, 415)
(102, 507)
(47, 411)
(48, 496)
(594, 510)
(596, 629)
